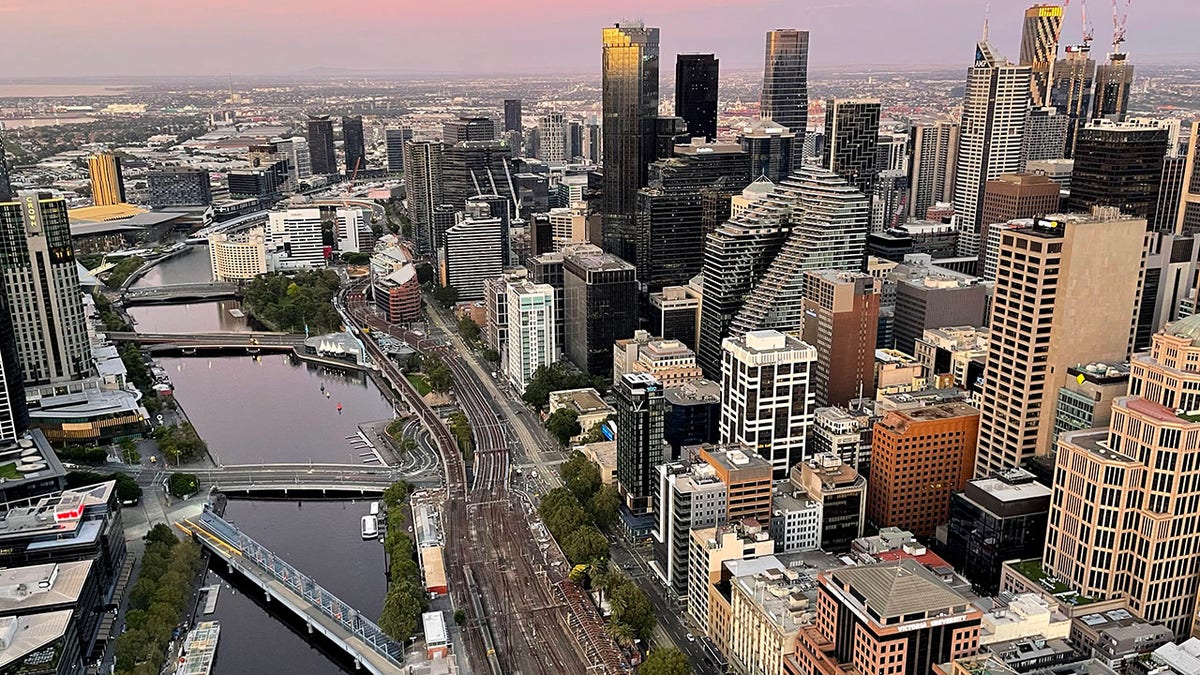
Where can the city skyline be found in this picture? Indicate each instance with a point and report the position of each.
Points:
(845, 33)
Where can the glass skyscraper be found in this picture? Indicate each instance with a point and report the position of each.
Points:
(696, 77)
(785, 82)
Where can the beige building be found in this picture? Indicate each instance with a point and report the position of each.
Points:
(1126, 505)
(237, 257)
(604, 454)
(1024, 616)
(1075, 278)
(897, 373)
(586, 403)
(768, 607)
(671, 362)
(568, 226)
(950, 351)
(712, 547)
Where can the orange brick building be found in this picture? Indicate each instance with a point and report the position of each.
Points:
(918, 457)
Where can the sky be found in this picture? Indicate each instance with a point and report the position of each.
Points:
(114, 38)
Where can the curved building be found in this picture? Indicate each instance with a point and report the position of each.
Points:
(237, 257)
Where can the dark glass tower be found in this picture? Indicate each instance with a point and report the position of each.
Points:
(630, 93)
(1114, 80)
(512, 114)
(785, 83)
(600, 307)
(771, 146)
(696, 77)
(6, 194)
(1118, 165)
(468, 129)
(355, 147)
(320, 145)
(640, 412)
(1074, 77)
(473, 168)
(852, 140)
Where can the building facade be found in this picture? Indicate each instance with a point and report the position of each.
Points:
(237, 257)
(321, 152)
(784, 97)
(599, 306)
(852, 140)
(108, 185)
(640, 447)
(696, 80)
(531, 335)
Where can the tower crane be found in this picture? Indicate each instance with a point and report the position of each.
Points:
(1120, 16)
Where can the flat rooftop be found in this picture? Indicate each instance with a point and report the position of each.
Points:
(696, 391)
(60, 513)
(25, 589)
(23, 636)
(583, 401)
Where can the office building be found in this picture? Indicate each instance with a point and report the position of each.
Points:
(1170, 194)
(1085, 399)
(108, 185)
(175, 186)
(472, 252)
(567, 226)
(675, 314)
(688, 496)
(844, 433)
(530, 336)
(322, 156)
(512, 114)
(747, 479)
(395, 140)
(1187, 220)
(953, 355)
(548, 269)
(711, 548)
(353, 144)
(993, 123)
(1118, 165)
(1119, 524)
(1045, 135)
(293, 239)
(423, 189)
(553, 138)
(933, 167)
(852, 140)
(767, 397)
(468, 129)
(630, 105)
(1172, 265)
(239, 256)
(640, 448)
(6, 194)
(1074, 78)
(587, 405)
(472, 168)
(919, 456)
(1012, 196)
(696, 78)
(599, 306)
(671, 362)
(1114, 83)
(841, 320)
(770, 146)
(693, 415)
(842, 494)
(1039, 48)
(295, 151)
(257, 183)
(397, 295)
(671, 215)
(785, 83)
(1064, 275)
(42, 285)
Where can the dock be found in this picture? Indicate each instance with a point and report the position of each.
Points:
(210, 598)
(199, 649)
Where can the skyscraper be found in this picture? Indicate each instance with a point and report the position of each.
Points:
(852, 140)
(512, 114)
(6, 194)
(1039, 48)
(1066, 275)
(1045, 136)
(1187, 220)
(771, 146)
(423, 185)
(841, 320)
(320, 145)
(1114, 80)
(630, 105)
(640, 447)
(354, 144)
(42, 283)
(473, 168)
(1074, 78)
(785, 83)
(295, 151)
(395, 139)
(1118, 165)
(934, 166)
(993, 123)
(108, 185)
(472, 252)
(468, 129)
(553, 146)
(599, 306)
(696, 78)
(531, 331)
(14, 412)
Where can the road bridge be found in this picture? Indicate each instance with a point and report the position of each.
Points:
(210, 341)
(327, 479)
(321, 611)
(180, 293)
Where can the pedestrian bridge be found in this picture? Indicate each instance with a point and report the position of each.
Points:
(321, 611)
(180, 293)
(207, 342)
(327, 479)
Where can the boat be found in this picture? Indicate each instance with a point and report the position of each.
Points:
(322, 386)
(199, 649)
(339, 407)
(370, 527)
(326, 394)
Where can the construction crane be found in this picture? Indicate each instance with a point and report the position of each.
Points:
(1089, 31)
(1120, 16)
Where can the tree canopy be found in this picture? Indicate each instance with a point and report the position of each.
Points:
(563, 425)
(292, 303)
(665, 661)
(556, 377)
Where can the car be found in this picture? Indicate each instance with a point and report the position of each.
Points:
(691, 638)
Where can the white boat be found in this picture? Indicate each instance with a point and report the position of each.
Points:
(370, 527)
(375, 508)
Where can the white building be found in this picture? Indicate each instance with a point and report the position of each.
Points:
(237, 257)
(553, 147)
(690, 496)
(294, 240)
(795, 522)
(531, 335)
(472, 252)
(766, 399)
(351, 229)
(295, 149)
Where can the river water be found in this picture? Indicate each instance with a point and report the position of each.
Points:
(186, 268)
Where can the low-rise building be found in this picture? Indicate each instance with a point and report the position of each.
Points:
(953, 356)
(795, 519)
(586, 403)
(1026, 615)
(897, 373)
(693, 415)
(768, 608)
(1085, 400)
(712, 547)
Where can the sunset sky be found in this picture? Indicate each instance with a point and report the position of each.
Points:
(256, 37)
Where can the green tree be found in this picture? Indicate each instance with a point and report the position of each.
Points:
(556, 377)
(445, 296)
(439, 377)
(561, 513)
(491, 356)
(468, 329)
(425, 274)
(563, 425)
(665, 661)
(460, 616)
(400, 613)
(581, 475)
(632, 607)
(603, 505)
(584, 545)
(183, 484)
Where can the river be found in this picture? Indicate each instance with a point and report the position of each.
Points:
(186, 268)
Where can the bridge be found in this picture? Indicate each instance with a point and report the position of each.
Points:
(211, 341)
(321, 611)
(180, 293)
(340, 479)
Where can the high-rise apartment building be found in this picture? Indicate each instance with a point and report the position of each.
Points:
(933, 167)
(1074, 77)
(14, 411)
(852, 140)
(1039, 48)
(770, 146)
(6, 194)
(468, 129)
(629, 81)
(353, 144)
(767, 397)
(395, 140)
(531, 332)
(423, 186)
(295, 151)
(1118, 164)
(41, 280)
(472, 252)
(696, 78)
(108, 185)
(237, 257)
(553, 147)
(1065, 275)
(640, 447)
(841, 320)
(785, 83)
(600, 306)
(179, 186)
(322, 156)
(294, 240)
(512, 114)
(1121, 522)
(1114, 82)
(993, 123)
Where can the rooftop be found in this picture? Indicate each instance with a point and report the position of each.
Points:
(25, 636)
(23, 589)
(696, 391)
(899, 590)
(583, 401)
(60, 513)
(1013, 487)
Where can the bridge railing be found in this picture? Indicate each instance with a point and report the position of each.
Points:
(329, 604)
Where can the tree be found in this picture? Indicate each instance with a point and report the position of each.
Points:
(400, 613)
(561, 513)
(183, 484)
(596, 433)
(631, 607)
(554, 377)
(491, 356)
(460, 616)
(468, 329)
(563, 425)
(425, 273)
(603, 507)
(446, 296)
(585, 545)
(665, 661)
(439, 377)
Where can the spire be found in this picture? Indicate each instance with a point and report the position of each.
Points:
(987, 15)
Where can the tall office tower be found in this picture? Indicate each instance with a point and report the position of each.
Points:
(1069, 275)
(1019, 195)
(108, 185)
(512, 114)
(353, 144)
(1039, 48)
(630, 93)
(473, 168)
(1118, 165)
(771, 147)
(1187, 219)
(841, 320)
(553, 146)
(852, 140)
(1114, 81)
(532, 142)
(395, 140)
(423, 186)
(14, 412)
(444, 217)
(322, 156)
(593, 143)
(42, 283)
(696, 78)
(933, 167)
(670, 211)
(574, 140)
(829, 231)
(495, 206)
(1119, 522)
(785, 84)
(640, 446)
(1074, 78)
(469, 129)
(548, 269)
(767, 397)
(993, 123)
(1045, 136)
(600, 306)
(531, 334)
(295, 151)
(6, 194)
(472, 252)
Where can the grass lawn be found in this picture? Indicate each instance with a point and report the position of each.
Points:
(419, 383)
(10, 472)
(395, 427)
